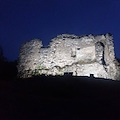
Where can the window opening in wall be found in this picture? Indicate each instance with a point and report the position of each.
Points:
(73, 53)
(91, 75)
(68, 73)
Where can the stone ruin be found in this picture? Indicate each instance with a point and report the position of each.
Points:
(80, 55)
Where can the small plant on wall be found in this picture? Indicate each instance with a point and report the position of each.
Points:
(35, 72)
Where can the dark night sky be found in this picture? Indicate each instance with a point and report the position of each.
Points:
(24, 20)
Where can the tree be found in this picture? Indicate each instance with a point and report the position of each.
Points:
(7, 69)
(2, 58)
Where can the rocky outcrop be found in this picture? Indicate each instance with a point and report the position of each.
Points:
(81, 55)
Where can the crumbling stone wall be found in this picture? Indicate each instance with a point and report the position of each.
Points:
(81, 55)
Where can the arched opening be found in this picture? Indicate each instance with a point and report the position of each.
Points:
(99, 47)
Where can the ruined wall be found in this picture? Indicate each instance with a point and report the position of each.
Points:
(81, 55)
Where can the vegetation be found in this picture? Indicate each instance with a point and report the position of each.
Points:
(35, 72)
(7, 69)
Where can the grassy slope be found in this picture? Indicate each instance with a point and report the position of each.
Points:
(60, 98)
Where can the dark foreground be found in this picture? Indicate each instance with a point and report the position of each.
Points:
(60, 98)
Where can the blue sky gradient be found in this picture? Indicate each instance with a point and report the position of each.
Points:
(24, 20)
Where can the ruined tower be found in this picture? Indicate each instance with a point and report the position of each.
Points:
(80, 55)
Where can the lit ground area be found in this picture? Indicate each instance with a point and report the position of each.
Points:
(60, 98)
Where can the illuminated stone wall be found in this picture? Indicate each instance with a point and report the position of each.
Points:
(81, 55)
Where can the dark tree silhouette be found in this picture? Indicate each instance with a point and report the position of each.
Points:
(1, 54)
(8, 69)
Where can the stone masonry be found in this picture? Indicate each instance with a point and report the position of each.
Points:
(80, 55)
